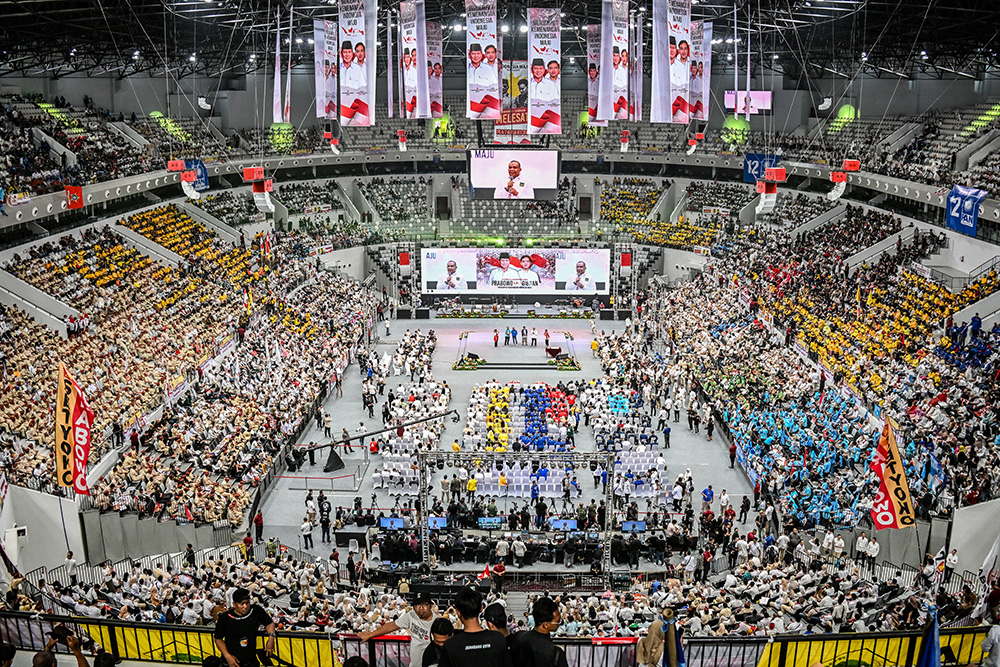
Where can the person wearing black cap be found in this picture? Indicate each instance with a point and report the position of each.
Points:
(504, 275)
(513, 187)
(619, 84)
(541, 89)
(417, 621)
(480, 73)
(237, 629)
(352, 75)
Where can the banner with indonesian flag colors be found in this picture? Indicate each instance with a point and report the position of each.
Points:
(671, 61)
(594, 74)
(435, 80)
(356, 66)
(482, 78)
(545, 68)
(701, 69)
(413, 49)
(612, 102)
(635, 70)
(512, 127)
(326, 59)
(893, 507)
(74, 420)
(277, 111)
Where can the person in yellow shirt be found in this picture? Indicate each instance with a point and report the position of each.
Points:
(594, 345)
(470, 488)
(455, 447)
(503, 484)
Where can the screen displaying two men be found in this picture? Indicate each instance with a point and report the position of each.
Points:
(513, 270)
(514, 174)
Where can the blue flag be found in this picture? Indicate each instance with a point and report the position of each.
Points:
(930, 643)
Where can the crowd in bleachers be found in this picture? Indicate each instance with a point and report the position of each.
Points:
(713, 195)
(232, 208)
(625, 201)
(792, 211)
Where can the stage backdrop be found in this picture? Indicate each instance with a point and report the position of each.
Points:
(502, 270)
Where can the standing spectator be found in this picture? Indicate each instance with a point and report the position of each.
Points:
(950, 563)
(535, 647)
(71, 567)
(649, 651)
(307, 533)
(707, 495)
(258, 524)
(417, 621)
(236, 631)
(477, 646)
(441, 630)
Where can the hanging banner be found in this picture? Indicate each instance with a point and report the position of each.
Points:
(482, 78)
(659, 106)
(893, 507)
(679, 47)
(421, 63)
(201, 174)
(414, 55)
(545, 86)
(74, 419)
(635, 72)
(512, 127)
(435, 69)
(963, 209)
(593, 74)
(277, 112)
(287, 115)
(325, 72)
(357, 62)
(390, 94)
(701, 92)
(613, 92)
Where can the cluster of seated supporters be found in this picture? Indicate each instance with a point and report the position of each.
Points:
(791, 211)
(626, 200)
(233, 208)
(104, 154)
(216, 440)
(396, 200)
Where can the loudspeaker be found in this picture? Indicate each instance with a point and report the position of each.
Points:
(473, 356)
(607, 314)
(561, 357)
(334, 462)
(423, 313)
(403, 314)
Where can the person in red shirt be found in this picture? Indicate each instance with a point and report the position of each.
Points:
(499, 570)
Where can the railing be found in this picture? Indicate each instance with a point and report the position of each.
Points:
(185, 643)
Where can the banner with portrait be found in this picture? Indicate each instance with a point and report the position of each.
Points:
(679, 53)
(545, 85)
(700, 95)
(594, 74)
(512, 127)
(356, 67)
(435, 77)
(413, 44)
(325, 60)
(482, 79)
(612, 101)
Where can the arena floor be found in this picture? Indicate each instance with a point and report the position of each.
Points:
(284, 508)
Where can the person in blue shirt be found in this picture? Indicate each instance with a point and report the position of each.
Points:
(534, 490)
(977, 326)
(706, 498)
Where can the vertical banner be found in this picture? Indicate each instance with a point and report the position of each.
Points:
(635, 72)
(325, 71)
(893, 507)
(679, 17)
(277, 112)
(694, 97)
(545, 86)
(962, 213)
(408, 44)
(612, 101)
(435, 67)
(660, 89)
(701, 91)
(421, 63)
(512, 127)
(287, 115)
(389, 88)
(74, 419)
(593, 74)
(357, 62)
(482, 78)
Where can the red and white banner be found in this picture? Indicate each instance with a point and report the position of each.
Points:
(512, 127)
(593, 74)
(74, 196)
(635, 70)
(482, 79)
(356, 33)
(545, 63)
(74, 420)
(701, 70)
(435, 66)
(277, 111)
(671, 61)
(325, 61)
(390, 82)
(413, 44)
(893, 507)
(612, 102)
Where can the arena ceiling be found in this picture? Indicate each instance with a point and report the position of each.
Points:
(228, 38)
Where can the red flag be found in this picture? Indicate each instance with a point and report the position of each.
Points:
(893, 507)
(74, 419)
(74, 196)
(187, 512)
(485, 574)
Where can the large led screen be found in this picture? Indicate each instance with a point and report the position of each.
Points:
(514, 270)
(514, 174)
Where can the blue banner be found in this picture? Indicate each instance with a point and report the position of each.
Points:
(198, 167)
(963, 209)
(754, 165)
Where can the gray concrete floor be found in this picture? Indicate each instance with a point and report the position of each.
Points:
(284, 507)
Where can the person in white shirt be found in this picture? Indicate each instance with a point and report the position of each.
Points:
(541, 88)
(528, 275)
(950, 563)
(873, 549)
(619, 84)
(410, 82)
(581, 281)
(991, 648)
(353, 82)
(451, 279)
(680, 79)
(71, 567)
(514, 187)
(861, 548)
(505, 275)
(592, 89)
(480, 73)
(434, 84)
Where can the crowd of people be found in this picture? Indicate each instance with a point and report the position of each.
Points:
(235, 209)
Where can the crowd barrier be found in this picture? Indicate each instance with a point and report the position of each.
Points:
(191, 644)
